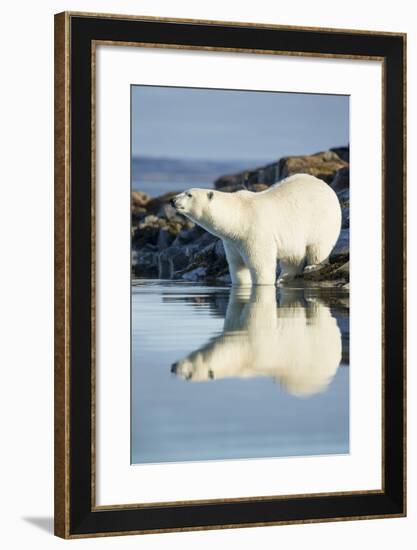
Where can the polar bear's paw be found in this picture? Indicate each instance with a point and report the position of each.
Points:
(284, 277)
(312, 267)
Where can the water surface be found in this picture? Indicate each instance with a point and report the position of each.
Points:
(222, 374)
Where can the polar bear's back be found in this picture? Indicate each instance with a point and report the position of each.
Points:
(306, 212)
(302, 190)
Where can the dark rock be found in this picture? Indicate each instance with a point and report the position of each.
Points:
(258, 187)
(148, 229)
(340, 252)
(255, 180)
(180, 260)
(165, 238)
(226, 279)
(155, 204)
(136, 219)
(343, 270)
(145, 234)
(205, 239)
(337, 271)
(197, 274)
(210, 258)
(167, 211)
(343, 197)
(340, 180)
(171, 260)
(207, 254)
(149, 248)
(219, 249)
(345, 217)
(231, 188)
(146, 264)
(342, 152)
(188, 235)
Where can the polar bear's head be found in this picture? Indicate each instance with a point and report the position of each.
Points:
(194, 203)
(217, 212)
(193, 368)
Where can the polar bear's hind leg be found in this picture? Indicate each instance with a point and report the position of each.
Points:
(289, 270)
(315, 255)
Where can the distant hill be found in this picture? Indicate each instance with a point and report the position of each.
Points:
(154, 169)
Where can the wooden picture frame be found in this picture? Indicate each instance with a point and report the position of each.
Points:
(76, 34)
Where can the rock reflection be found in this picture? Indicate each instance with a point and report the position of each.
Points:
(295, 340)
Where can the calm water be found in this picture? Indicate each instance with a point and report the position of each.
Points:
(220, 373)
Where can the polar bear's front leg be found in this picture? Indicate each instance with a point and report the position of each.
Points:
(263, 266)
(239, 273)
(239, 297)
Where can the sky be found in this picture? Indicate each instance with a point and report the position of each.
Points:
(207, 124)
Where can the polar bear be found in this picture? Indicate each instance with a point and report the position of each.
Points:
(297, 342)
(296, 221)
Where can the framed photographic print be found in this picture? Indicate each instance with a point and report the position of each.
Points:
(229, 275)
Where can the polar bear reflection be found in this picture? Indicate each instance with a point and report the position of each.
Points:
(296, 342)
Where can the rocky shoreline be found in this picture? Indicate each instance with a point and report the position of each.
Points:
(166, 245)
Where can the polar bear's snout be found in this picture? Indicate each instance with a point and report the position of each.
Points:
(181, 369)
(175, 202)
(179, 201)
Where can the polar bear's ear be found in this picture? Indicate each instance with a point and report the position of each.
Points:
(210, 195)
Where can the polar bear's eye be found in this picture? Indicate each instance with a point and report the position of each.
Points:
(189, 194)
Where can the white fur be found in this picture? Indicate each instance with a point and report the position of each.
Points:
(296, 221)
(297, 344)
